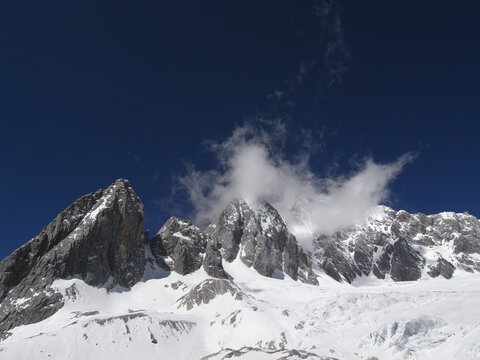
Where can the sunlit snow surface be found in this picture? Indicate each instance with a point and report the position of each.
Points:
(427, 319)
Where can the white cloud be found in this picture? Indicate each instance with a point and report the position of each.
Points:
(252, 166)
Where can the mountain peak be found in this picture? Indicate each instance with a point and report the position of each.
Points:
(259, 237)
(98, 237)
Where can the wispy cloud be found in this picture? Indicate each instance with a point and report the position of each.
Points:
(253, 165)
(337, 56)
(327, 61)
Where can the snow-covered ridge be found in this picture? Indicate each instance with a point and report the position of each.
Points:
(402, 246)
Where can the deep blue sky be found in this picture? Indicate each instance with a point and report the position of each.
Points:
(92, 91)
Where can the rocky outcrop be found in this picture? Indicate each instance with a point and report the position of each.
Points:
(212, 262)
(407, 263)
(182, 242)
(260, 238)
(403, 246)
(15, 267)
(208, 290)
(184, 248)
(257, 353)
(98, 237)
(442, 267)
(228, 229)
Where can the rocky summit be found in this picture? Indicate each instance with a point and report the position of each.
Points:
(242, 287)
(260, 238)
(98, 238)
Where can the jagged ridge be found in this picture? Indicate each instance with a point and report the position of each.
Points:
(402, 246)
(99, 238)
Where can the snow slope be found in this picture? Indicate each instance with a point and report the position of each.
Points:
(255, 317)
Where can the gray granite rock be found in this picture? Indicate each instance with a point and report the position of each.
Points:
(398, 244)
(442, 267)
(182, 247)
(406, 263)
(182, 242)
(98, 238)
(15, 267)
(260, 238)
(273, 354)
(208, 290)
(228, 229)
(212, 263)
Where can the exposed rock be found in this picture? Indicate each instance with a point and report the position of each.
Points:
(228, 229)
(212, 263)
(407, 264)
(334, 261)
(395, 243)
(187, 247)
(15, 267)
(98, 237)
(251, 353)
(207, 290)
(183, 242)
(443, 267)
(383, 265)
(260, 238)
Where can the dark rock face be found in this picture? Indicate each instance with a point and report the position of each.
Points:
(260, 238)
(228, 229)
(183, 242)
(334, 260)
(382, 265)
(187, 248)
(297, 263)
(212, 263)
(407, 264)
(443, 267)
(97, 237)
(15, 267)
(399, 244)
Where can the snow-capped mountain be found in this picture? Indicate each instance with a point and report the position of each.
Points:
(92, 285)
(402, 246)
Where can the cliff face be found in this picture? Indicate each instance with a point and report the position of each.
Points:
(259, 237)
(98, 237)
